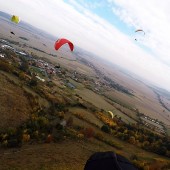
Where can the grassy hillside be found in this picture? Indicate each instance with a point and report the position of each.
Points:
(15, 107)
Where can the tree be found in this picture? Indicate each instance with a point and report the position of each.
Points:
(70, 121)
(105, 129)
(33, 82)
(88, 132)
(132, 140)
(24, 66)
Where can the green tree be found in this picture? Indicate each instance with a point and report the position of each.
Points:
(106, 129)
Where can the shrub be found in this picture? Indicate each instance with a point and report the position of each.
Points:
(33, 82)
(105, 129)
(14, 143)
(71, 133)
(5, 66)
(88, 132)
(61, 115)
(25, 137)
(58, 135)
(80, 136)
(134, 157)
(78, 127)
(49, 138)
(70, 121)
(4, 143)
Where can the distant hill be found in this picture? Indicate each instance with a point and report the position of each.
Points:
(162, 91)
(28, 27)
(5, 15)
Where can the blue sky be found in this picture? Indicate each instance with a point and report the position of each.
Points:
(106, 28)
(104, 10)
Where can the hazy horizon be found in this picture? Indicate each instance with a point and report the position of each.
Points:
(107, 29)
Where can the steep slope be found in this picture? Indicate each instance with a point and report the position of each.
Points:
(14, 105)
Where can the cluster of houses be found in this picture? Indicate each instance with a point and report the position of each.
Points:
(153, 124)
(44, 68)
(43, 65)
(150, 119)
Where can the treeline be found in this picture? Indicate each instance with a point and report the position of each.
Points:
(132, 134)
(161, 102)
(42, 51)
(24, 38)
(140, 137)
(117, 86)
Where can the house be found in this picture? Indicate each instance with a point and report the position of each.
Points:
(39, 78)
(71, 86)
(21, 53)
(7, 47)
(4, 41)
(2, 55)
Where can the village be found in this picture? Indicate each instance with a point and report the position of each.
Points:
(46, 71)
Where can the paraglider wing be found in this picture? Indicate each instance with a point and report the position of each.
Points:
(111, 114)
(140, 30)
(15, 19)
(108, 160)
(63, 41)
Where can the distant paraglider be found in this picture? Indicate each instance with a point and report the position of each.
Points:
(12, 33)
(139, 35)
(61, 42)
(140, 30)
(15, 19)
(111, 114)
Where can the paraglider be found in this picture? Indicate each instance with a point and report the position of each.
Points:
(140, 30)
(12, 33)
(15, 19)
(111, 114)
(139, 34)
(61, 42)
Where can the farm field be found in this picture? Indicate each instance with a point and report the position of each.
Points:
(87, 114)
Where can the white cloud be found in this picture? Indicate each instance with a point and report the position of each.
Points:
(93, 33)
(153, 17)
(88, 4)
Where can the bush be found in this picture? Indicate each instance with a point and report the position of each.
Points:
(105, 129)
(12, 143)
(58, 135)
(88, 132)
(70, 121)
(25, 137)
(5, 66)
(134, 157)
(78, 127)
(33, 82)
(80, 136)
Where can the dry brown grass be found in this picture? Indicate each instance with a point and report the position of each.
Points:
(87, 114)
(14, 106)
